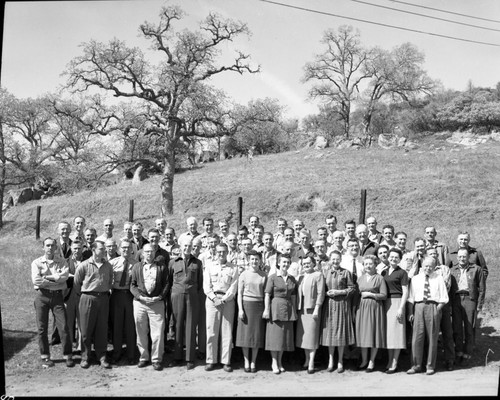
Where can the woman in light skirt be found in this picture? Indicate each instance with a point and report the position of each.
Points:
(311, 295)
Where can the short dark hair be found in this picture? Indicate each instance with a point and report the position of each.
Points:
(207, 219)
(400, 233)
(350, 222)
(254, 253)
(243, 228)
(388, 227)
(93, 246)
(397, 251)
(331, 216)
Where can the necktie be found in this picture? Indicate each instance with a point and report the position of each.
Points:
(354, 274)
(419, 265)
(426, 288)
(64, 249)
(123, 279)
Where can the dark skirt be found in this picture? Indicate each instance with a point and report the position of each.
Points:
(251, 331)
(279, 336)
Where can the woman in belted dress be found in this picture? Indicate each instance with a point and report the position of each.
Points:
(280, 311)
(337, 323)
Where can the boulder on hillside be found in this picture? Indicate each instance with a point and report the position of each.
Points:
(345, 144)
(139, 175)
(320, 143)
(20, 196)
(411, 145)
(495, 136)
(387, 141)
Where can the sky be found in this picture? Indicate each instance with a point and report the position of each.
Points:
(40, 39)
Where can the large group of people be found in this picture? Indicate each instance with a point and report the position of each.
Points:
(354, 290)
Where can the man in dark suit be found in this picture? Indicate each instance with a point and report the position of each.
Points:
(185, 277)
(64, 229)
(138, 239)
(161, 255)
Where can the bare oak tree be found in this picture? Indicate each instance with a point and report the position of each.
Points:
(338, 71)
(174, 95)
(396, 74)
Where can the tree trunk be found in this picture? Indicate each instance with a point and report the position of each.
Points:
(2, 173)
(167, 182)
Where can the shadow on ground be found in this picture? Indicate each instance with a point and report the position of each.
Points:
(15, 341)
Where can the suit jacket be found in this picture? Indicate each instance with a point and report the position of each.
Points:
(161, 256)
(370, 249)
(316, 291)
(65, 254)
(475, 257)
(476, 282)
(138, 288)
(185, 277)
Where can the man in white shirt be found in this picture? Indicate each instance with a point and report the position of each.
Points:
(49, 275)
(279, 236)
(426, 298)
(220, 284)
(331, 225)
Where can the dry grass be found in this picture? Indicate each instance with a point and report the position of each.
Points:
(453, 189)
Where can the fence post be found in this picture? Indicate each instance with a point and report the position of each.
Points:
(240, 211)
(131, 211)
(38, 214)
(362, 210)
(2, 358)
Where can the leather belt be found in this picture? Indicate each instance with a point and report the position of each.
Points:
(426, 302)
(96, 293)
(221, 293)
(50, 292)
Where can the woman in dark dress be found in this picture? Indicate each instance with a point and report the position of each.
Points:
(337, 323)
(280, 311)
(370, 316)
(397, 282)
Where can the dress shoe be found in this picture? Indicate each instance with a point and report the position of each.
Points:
(362, 367)
(190, 365)
(70, 363)
(47, 363)
(84, 364)
(414, 370)
(276, 371)
(210, 367)
(330, 369)
(430, 371)
(142, 364)
(228, 368)
(340, 370)
(157, 366)
(246, 369)
(310, 371)
(369, 369)
(105, 364)
(449, 365)
(391, 371)
(253, 370)
(282, 369)
(175, 363)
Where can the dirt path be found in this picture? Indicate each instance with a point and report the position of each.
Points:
(130, 381)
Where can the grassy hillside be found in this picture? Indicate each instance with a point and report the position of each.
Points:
(454, 189)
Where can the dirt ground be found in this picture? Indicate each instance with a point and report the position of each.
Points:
(480, 378)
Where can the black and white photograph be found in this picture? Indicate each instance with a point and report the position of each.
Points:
(250, 198)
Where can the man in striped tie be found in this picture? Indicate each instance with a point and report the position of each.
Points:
(427, 297)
